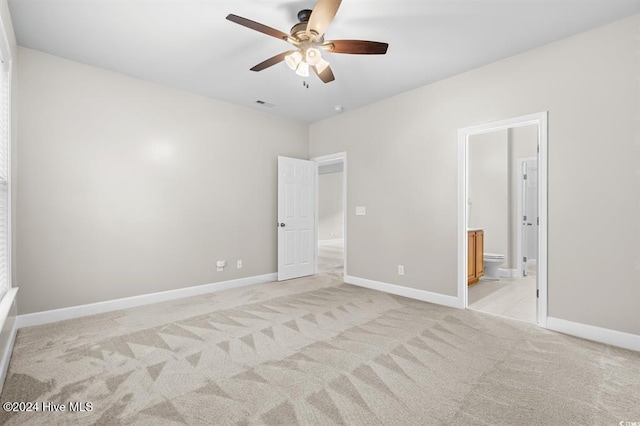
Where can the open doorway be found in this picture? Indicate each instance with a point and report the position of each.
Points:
(502, 218)
(501, 198)
(331, 214)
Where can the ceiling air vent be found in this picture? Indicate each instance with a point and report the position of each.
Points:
(265, 104)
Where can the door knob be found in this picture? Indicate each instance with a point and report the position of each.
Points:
(282, 225)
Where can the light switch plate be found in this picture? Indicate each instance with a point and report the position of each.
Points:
(361, 211)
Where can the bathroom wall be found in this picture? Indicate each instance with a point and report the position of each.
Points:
(330, 209)
(488, 190)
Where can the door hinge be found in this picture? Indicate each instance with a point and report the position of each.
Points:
(538, 148)
(524, 218)
(524, 259)
(538, 221)
(537, 293)
(524, 176)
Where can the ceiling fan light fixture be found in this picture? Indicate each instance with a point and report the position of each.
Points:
(321, 66)
(313, 56)
(293, 60)
(303, 69)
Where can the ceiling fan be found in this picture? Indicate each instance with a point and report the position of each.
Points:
(307, 36)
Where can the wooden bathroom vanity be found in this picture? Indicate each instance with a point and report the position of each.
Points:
(475, 255)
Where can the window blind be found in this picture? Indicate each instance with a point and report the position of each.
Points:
(5, 241)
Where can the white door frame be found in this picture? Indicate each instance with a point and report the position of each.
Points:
(520, 213)
(541, 119)
(331, 158)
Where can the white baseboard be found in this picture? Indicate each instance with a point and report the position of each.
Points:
(597, 334)
(338, 240)
(509, 273)
(412, 293)
(8, 331)
(45, 317)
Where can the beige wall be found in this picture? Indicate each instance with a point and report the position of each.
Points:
(403, 168)
(127, 187)
(330, 211)
(488, 190)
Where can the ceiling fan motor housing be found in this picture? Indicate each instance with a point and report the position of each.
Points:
(299, 30)
(304, 15)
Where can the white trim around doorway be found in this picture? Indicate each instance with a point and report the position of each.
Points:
(541, 119)
(329, 159)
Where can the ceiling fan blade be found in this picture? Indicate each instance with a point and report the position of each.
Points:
(258, 27)
(321, 17)
(356, 47)
(326, 75)
(271, 61)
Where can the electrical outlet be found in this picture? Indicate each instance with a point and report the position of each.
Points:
(400, 269)
(239, 263)
(220, 264)
(361, 211)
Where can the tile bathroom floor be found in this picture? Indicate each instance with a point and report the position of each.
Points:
(509, 297)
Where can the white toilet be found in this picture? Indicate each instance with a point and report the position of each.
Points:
(492, 263)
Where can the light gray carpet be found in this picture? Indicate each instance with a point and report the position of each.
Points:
(317, 351)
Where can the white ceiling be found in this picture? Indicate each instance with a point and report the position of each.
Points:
(188, 44)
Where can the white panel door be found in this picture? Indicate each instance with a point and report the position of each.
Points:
(296, 217)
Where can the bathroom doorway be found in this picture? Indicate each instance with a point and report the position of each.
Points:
(502, 218)
(331, 215)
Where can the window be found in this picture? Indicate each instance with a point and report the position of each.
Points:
(5, 168)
